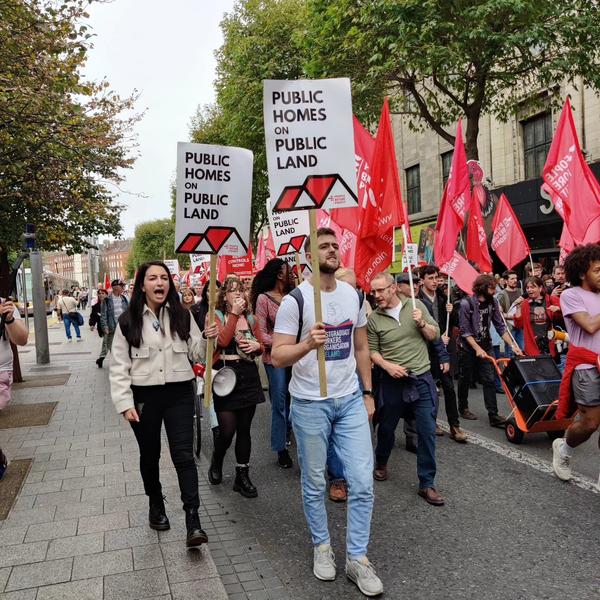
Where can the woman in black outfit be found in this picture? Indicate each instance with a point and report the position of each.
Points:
(94, 321)
(151, 382)
(238, 343)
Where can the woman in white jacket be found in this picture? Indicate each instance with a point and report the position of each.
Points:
(151, 384)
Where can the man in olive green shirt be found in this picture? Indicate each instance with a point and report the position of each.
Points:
(398, 336)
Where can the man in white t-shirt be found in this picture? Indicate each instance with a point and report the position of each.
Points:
(343, 415)
(580, 306)
(15, 332)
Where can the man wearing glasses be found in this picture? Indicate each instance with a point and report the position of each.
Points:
(398, 336)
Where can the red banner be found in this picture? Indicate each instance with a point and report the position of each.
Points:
(509, 241)
(573, 188)
(238, 265)
(477, 247)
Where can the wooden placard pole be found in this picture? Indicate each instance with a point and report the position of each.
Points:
(299, 268)
(531, 263)
(210, 345)
(316, 283)
(410, 277)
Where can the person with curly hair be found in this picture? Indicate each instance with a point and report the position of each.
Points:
(476, 315)
(580, 386)
(238, 344)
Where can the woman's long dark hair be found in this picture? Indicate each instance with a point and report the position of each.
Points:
(131, 320)
(265, 280)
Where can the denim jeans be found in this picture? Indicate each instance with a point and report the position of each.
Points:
(68, 322)
(335, 468)
(345, 421)
(519, 337)
(280, 409)
(423, 411)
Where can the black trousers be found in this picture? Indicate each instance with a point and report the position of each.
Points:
(468, 365)
(445, 380)
(173, 405)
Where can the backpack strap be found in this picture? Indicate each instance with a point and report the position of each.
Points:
(296, 294)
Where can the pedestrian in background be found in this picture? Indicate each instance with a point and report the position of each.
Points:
(112, 308)
(187, 298)
(94, 321)
(151, 382)
(70, 316)
(268, 289)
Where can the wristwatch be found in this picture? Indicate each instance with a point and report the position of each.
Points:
(367, 392)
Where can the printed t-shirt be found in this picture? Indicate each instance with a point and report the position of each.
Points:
(483, 335)
(574, 300)
(341, 314)
(538, 317)
(6, 355)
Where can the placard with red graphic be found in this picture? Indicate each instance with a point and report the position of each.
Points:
(214, 191)
(290, 230)
(310, 144)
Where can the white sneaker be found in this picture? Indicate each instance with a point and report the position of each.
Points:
(80, 339)
(324, 563)
(561, 464)
(362, 573)
(69, 340)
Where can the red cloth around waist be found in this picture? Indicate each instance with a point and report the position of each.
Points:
(575, 357)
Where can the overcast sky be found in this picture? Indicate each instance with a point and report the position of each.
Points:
(165, 50)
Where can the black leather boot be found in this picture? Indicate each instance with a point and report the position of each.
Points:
(157, 517)
(215, 471)
(242, 483)
(196, 536)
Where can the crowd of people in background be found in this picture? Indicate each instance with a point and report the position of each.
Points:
(390, 355)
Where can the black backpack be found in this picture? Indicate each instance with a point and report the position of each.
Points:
(296, 294)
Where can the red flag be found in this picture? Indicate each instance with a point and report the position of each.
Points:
(364, 144)
(373, 255)
(106, 282)
(389, 210)
(455, 203)
(261, 253)
(477, 247)
(509, 241)
(573, 188)
(461, 271)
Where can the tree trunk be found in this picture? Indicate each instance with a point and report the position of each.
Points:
(471, 136)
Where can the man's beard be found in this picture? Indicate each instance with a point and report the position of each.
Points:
(324, 267)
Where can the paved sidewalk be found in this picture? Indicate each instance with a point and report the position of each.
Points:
(79, 526)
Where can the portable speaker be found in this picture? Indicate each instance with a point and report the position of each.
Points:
(533, 382)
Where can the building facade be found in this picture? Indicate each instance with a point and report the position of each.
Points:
(511, 155)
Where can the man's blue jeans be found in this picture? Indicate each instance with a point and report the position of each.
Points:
(345, 421)
(335, 468)
(280, 410)
(423, 411)
(68, 322)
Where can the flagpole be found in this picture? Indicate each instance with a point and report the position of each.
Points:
(531, 261)
(299, 268)
(410, 277)
(508, 330)
(447, 313)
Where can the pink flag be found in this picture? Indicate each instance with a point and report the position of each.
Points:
(461, 271)
(573, 188)
(477, 247)
(455, 203)
(509, 241)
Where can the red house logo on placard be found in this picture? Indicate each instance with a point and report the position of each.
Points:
(211, 241)
(294, 245)
(313, 193)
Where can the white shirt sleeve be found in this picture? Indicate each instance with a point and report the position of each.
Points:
(287, 319)
(362, 315)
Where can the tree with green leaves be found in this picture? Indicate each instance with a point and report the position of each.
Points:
(63, 139)
(439, 60)
(260, 42)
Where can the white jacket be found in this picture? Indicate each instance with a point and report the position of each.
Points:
(160, 359)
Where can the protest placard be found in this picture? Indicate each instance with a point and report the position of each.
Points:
(214, 190)
(289, 229)
(199, 262)
(173, 266)
(310, 144)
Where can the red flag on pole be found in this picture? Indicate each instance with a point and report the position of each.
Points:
(106, 282)
(573, 188)
(461, 271)
(509, 241)
(455, 203)
(477, 247)
(389, 210)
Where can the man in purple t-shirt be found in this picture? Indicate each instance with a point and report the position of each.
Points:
(580, 305)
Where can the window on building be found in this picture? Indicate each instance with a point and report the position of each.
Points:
(446, 164)
(413, 189)
(537, 137)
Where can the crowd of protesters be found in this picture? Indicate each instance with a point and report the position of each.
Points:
(389, 355)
